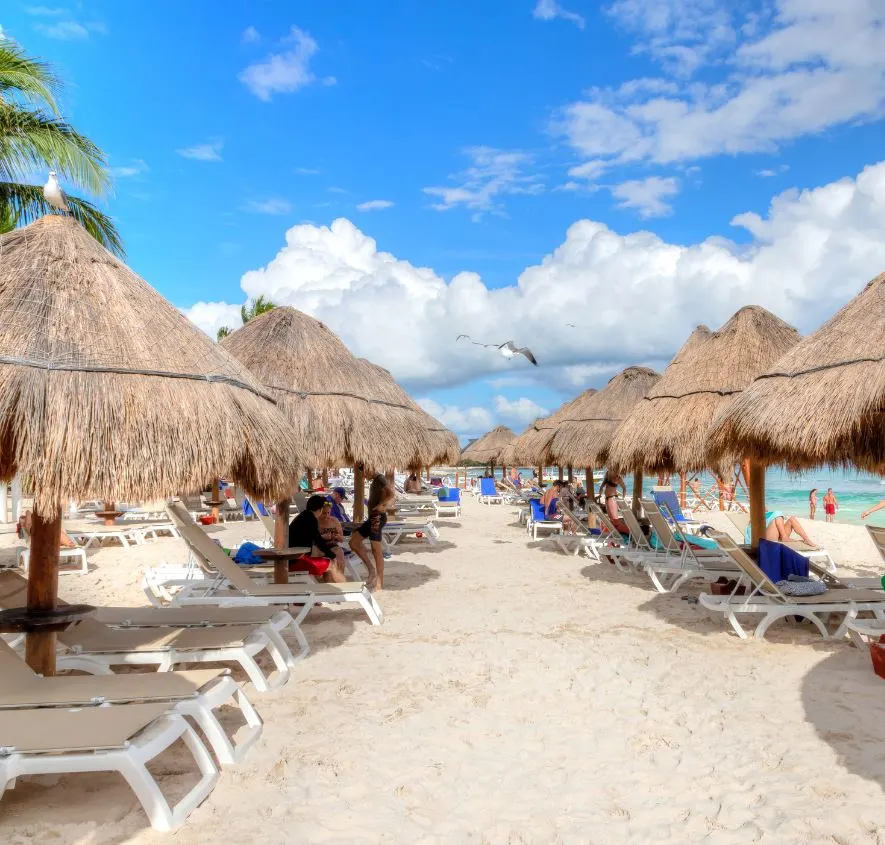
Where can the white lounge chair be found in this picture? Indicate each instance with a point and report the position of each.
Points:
(233, 587)
(122, 738)
(582, 540)
(196, 693)
(741, 520)
(763, 598)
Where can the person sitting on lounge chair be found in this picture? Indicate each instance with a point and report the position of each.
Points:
(25, 525)
(413, 484)
(305, 530)
(381, 499)
(336, 499)
(780, 529)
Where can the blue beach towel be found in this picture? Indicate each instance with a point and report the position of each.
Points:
(245, 555)
(779, 562)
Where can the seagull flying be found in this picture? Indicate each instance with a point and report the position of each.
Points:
(53, 194)
(508, 349)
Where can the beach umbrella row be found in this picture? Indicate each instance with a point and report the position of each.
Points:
(490, 448)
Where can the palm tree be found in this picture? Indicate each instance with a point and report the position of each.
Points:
(248, 311)
(255, 308)
(33, 136)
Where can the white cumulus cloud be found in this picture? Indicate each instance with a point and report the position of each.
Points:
(633, 297)
(273, 205)
(466, 422)
(520, 411)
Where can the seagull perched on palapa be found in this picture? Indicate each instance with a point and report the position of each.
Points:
(508, 349)
(53, 194)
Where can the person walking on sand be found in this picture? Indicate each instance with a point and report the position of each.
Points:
(812, 503)
(873, 509)
(830, 505)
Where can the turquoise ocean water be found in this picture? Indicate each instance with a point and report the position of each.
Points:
(788, 492)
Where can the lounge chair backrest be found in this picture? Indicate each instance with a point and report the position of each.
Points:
(12, 667)
(661, 526)
(260, 511)
(760, 580)
(487, 487)
(538, 514)
(669, 498)
(300, 501)
(203, 547)
(192, 502)
(578, 523)
(877, 535)
(602, 516)
(452, 494)
(637, 535)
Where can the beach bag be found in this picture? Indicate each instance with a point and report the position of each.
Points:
(797, 585)
(246, 555)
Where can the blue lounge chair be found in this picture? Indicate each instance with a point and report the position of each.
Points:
(488, 493)
(669, 500)
(538, 520)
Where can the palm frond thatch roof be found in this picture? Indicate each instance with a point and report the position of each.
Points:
(823, 402)
(669, 429)
(584, 437)
(438, 444)
(490, 447)
(107, 391)
(341, 410)
(532, 447)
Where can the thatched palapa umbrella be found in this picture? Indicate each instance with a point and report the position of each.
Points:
(584, 438)
(821, 403)
(669, 430)
(107, 391)
(489, 448)
(532, 447)
(438, 444)
(342, 412)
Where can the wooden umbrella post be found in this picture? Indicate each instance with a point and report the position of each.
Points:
(588, 482)
(571, 475)
(281, 541)
(43, 588)
(359, 489)
(757, 501)
(325, 479)
(637, 492)
(560, 473)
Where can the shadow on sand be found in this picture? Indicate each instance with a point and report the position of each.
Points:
(401, 575)
(842, 697)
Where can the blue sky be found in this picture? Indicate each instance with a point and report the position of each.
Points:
(478, 134)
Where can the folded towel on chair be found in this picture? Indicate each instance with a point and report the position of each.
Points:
(779, 562)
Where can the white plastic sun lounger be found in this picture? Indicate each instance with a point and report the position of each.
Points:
(267, 624)
(764, 599)
(122, 738)
(582, 540)
(233, 587)
(679, 562)
(196, 693)
(166, 648)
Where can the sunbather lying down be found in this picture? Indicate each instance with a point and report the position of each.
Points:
(780, 528)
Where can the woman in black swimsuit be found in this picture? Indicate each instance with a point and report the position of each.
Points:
(609, 491)
(381, 498)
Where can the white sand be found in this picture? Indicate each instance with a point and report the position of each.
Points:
(515, 695)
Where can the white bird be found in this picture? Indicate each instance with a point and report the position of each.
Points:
(53, 194)
(508, 349)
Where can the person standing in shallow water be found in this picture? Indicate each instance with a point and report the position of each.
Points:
(812, 503)
(830, 505)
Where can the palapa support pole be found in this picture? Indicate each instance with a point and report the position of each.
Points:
(540, 476)
(359, 490)
(637, 492)
(588, 482)
(571, 474)
(427, 473)
(281, 541)
(682, 489)
(325, 479)
(560, 473)
(216, 497)
(43, 588)
(757, 501)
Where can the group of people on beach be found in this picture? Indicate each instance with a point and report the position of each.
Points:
(831, 504)
(323, 526)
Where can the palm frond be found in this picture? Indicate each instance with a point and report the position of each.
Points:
(256, 307)
(25, 203)
(23, 76)
(29, 140)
